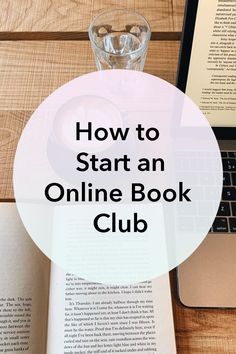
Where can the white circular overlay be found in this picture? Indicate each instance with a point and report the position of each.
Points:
(117, 177)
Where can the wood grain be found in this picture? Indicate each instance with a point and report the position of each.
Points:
(178, 13)
(32, 70)
(203, 331)
(75, 15)
(11, 125)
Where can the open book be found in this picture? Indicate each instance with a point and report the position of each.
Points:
(44, 310)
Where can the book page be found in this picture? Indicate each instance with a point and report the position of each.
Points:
(89, 318)
(24, 276)
(212, 73)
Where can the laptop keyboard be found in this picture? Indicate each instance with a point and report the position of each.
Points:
(225, 220)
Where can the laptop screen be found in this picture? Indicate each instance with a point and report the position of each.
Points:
(211, 81)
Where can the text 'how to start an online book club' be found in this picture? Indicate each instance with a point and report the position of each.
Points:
(109, 175)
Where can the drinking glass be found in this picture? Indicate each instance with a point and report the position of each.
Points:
(119, 40)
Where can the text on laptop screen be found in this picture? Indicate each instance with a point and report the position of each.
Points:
(211, 79)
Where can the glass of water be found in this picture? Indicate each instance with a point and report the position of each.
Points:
(119, 40)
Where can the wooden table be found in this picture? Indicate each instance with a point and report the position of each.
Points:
(44, 44)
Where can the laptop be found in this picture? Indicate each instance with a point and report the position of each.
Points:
(207, 74)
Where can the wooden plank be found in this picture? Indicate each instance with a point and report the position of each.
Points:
(178, 13)
(76, 15)
(32, 70)
(159, 13)
(11, 125)
(202, 331)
